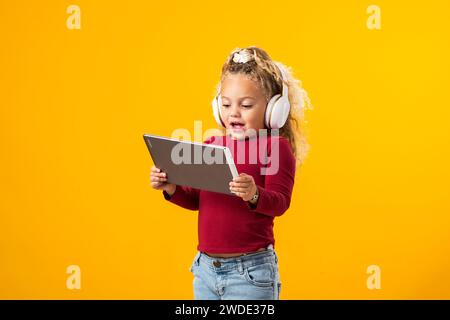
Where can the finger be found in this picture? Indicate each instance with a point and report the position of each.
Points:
(240, 190)
(159, 174)
(235, 192)
(162, 179)
(155, 169)
(240, 184)
(240, 194)
(156, 172)
(242, 179)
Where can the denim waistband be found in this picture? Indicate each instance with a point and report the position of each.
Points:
(243, 261)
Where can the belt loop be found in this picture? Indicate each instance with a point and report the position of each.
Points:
(270, 248)
(240, 266)
(197, 258)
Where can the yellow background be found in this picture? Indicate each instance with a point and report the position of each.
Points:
(74, 170)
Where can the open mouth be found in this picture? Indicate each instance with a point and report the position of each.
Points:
(236, 125)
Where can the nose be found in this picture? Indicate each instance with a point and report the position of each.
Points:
(234, 111)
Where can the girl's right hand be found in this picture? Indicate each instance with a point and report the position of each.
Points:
(158, 181)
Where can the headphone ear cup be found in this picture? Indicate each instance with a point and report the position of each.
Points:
(280, 112)
(277, 112)
(216, 110)
(268, 117)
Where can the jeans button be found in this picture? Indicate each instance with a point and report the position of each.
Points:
(216, 263)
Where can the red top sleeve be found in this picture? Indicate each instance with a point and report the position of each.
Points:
(185, 197)
(275, 196)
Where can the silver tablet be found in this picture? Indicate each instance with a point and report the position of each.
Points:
(197, 165)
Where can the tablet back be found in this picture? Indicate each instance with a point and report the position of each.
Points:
(197, 165)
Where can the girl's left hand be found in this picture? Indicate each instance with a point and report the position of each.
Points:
(243, 186)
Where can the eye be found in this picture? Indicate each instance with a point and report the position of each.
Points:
(247, 105)
(225, 105)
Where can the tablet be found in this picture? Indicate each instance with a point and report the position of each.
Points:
(197, 165)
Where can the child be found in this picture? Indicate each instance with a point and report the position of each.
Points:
(236, 257)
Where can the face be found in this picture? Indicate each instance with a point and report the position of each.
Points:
(243, 106)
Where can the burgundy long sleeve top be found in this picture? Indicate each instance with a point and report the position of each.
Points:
(227, 223)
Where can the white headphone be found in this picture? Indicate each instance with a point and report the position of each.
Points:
(277, 110)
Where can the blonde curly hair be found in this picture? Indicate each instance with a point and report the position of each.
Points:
(266, 72)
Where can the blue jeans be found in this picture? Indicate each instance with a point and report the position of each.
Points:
(247, 277)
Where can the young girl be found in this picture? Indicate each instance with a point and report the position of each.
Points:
(236, 257)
